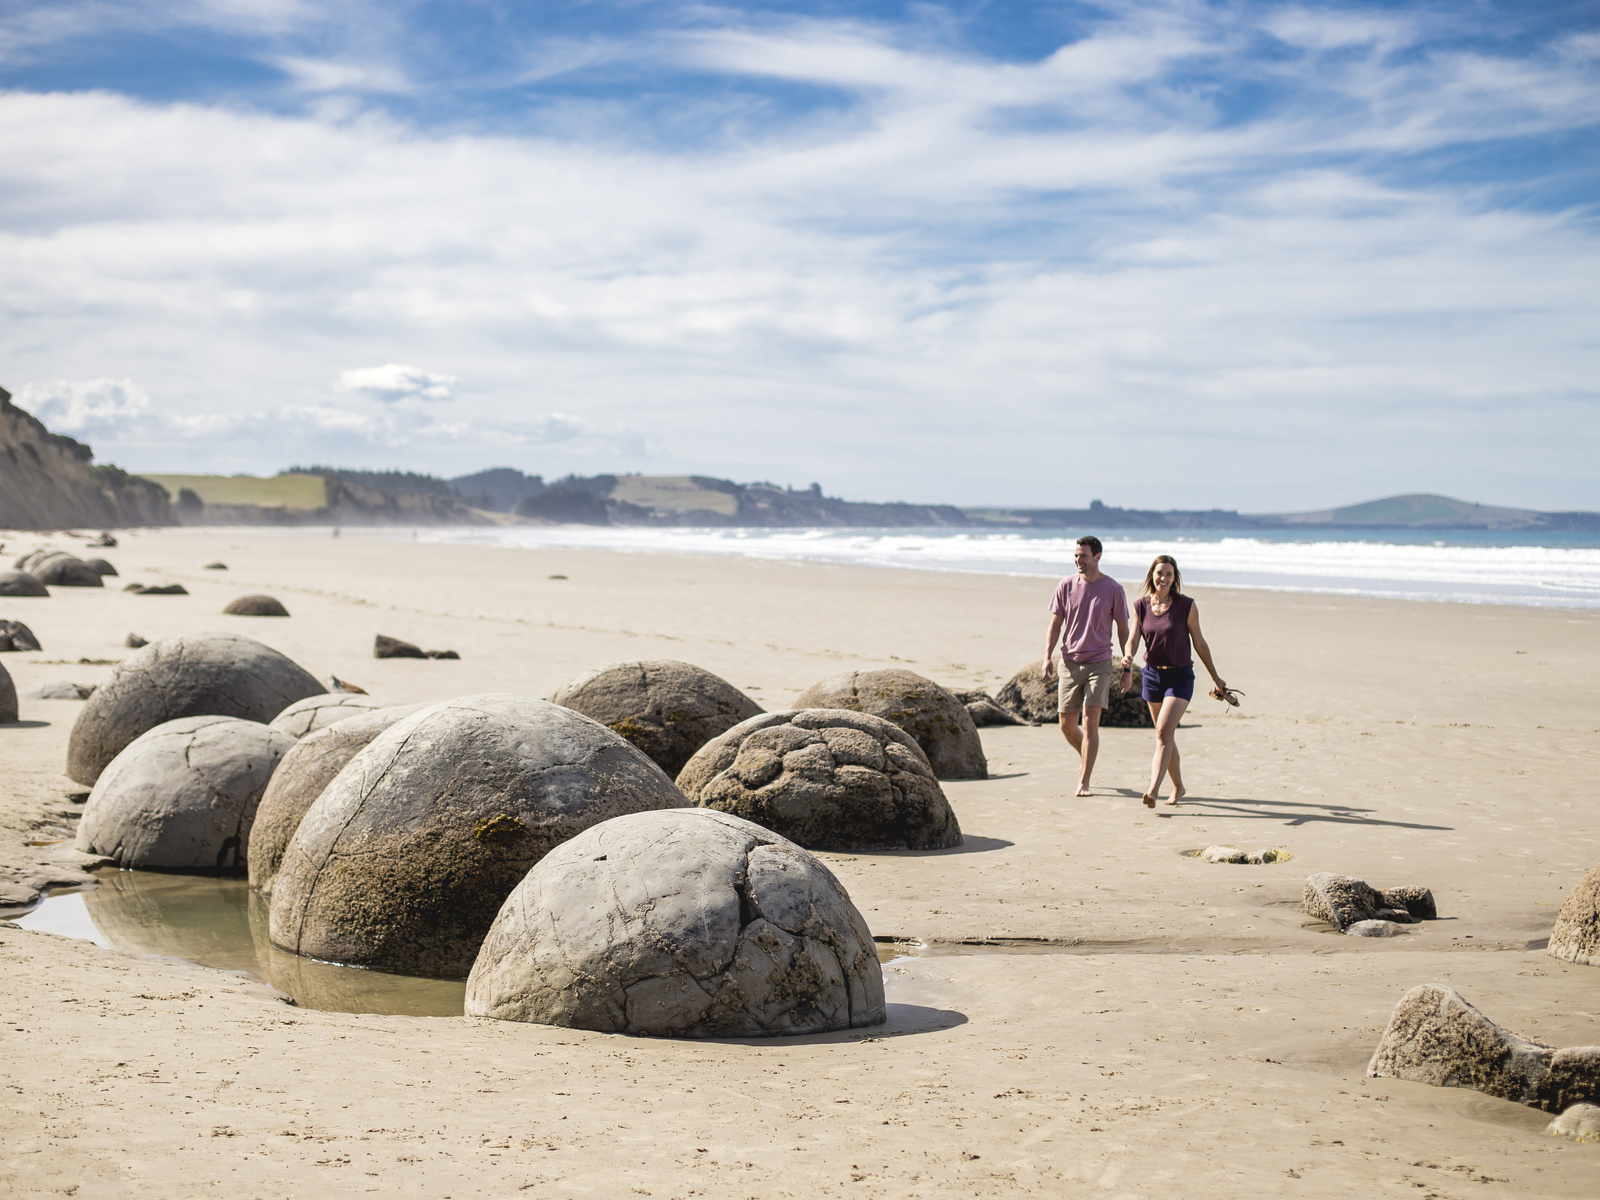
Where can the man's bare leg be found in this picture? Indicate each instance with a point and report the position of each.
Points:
(1091, 747)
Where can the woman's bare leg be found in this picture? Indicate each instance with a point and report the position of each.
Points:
(1166, 719)
(1155, 719)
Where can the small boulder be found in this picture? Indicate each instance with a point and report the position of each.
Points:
(14, 635)
(442, 654)
(384, 646)
(404, 860)
(8, 698)
(60, 569)
(61, 690)
(1581, 1123)
(1035, 700)
(20, 583)
(101, 567)
(302, 776)
(165, 589)
(216, 566)
(1576, 936)
(182, 796)
(985, 711)
(134, 642)
(685, 923)
(1232, 854)
(256, 606)
(667, 709)
(185, 676)
(1342, 900)
(936, 719)
(105, 540)
(1436, 1037)
(829, 779)
(1372, 929)
(318, 712)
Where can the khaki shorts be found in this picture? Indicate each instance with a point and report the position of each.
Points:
(1084, 685)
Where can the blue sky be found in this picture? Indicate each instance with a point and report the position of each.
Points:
(1264, 256)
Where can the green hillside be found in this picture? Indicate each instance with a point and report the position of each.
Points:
(676, 492)
(273, 491)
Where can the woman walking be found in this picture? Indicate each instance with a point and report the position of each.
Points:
(1168, 621)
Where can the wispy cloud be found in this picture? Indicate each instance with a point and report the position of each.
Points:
(393, 382)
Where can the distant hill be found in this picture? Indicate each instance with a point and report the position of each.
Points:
(304, 498)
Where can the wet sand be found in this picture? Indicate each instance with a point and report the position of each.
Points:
(1148, 1024)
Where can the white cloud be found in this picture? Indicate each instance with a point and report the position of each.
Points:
(92, 407)
(396, 381)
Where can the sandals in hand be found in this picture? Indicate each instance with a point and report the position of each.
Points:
(1230, 695)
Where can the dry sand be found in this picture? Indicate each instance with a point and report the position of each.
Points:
(1180, 1031)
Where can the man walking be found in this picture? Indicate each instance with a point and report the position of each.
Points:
(1085, 606)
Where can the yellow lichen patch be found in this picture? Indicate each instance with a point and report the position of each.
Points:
(497, 829)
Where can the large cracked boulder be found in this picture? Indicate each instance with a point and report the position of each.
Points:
(406, 857)
(668, 709)
(191, 675)
(829, 779)
(304, 774)
(8, 698)
(1344, 901)
(938, 721)
(20, 583)
(319, 711)
(57, 568)
(686, 923)
(182, 796)
(1034, 700)
(1576, 936)
(1436, 1037)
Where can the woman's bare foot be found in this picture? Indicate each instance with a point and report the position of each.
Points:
(1177, 795)
(1149, 800)
(1083, 790)
(1172, 800)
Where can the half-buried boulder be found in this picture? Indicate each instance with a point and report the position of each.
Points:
(384, 646)
(256, 606)
(827, 778)
(938, 721)
(667, 709)
(1034, 700)
(1436, 1037)
(20, 583)
(8, 698)
(1343, 901)
(318, 712)
(686, 923)
(191, 675)
(303, 775)
(63, 570)
(406, 857)
(14, 635)
(182, 796)
(1576, 937)
(101, 567)
(985, 711)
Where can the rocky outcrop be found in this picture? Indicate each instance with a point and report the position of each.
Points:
(182, 796)
(318, 712)
(406, 857)
(256, 606)
(185, 676)
(1576, 936)
(1034, 700)
(828, 779)
(935, 718)
(688, 923)
(48, 481)
(1436, 1037)
(667, 709)
(1343, 900)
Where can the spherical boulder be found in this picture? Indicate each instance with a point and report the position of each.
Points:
(8, 698)
(938, 721)
(182, 796)
(667, 709)
(101, 567)
(319, 711)
(1035, 699)
(406, 857)
(256, 606)
(685, 923)
(1576, 936)
(20, 583)
(829, 779)
(212, 674)
(304, 774)
(64, 570)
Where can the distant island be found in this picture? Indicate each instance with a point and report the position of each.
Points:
(49, 481)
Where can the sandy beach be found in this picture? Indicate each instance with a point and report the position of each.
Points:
(1080, 1008)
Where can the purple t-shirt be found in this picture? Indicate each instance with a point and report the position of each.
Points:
(1088, 611)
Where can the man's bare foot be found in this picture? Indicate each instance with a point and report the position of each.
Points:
(1083, 790)
(1149, 800)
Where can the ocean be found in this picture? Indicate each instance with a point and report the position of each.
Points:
(1468, 567)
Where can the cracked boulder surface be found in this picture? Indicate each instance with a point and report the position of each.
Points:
(304, 774)
(182, 796)
(1035, 699)
(666, 708)
(1436, 1037)
(1343, 901)
(939, 722)
(406, 857)
(685, 923)
(320, 711)
(827, 778)
(1576, 936)
(8, 698)
(191, 675)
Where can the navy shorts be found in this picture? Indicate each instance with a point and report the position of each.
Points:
(1161, 682)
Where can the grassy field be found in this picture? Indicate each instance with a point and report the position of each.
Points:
(672, 492)
(291, 491)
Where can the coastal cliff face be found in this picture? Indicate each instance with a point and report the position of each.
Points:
(48, 481)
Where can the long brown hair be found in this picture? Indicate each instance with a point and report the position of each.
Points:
(1149, 588)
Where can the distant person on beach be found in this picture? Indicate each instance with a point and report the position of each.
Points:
(1085, 606)
(1168, 621)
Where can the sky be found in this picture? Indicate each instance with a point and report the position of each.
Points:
(1264, 256)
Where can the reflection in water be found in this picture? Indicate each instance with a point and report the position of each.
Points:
(221, 923)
